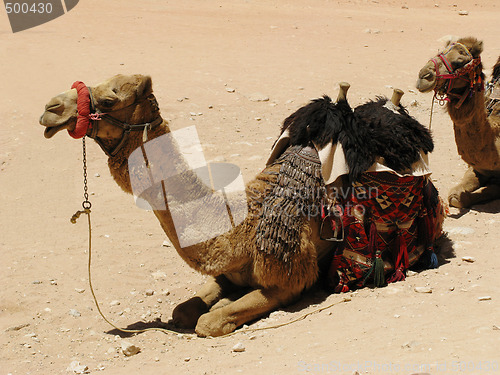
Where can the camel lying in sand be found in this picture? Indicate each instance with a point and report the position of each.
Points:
(456, 76)
(270, 262)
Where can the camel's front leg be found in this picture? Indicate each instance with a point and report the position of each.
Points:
(249, 307)
(461, 195)
(186, 314)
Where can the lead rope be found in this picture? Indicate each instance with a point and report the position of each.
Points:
(86, 210)
(432, 109)
(86, 204)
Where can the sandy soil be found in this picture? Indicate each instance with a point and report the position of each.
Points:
(290, 51)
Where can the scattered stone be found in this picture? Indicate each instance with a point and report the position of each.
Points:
(97, 175)
(17, 328)
(75, 313)
(414, 103)
(451, 288)
(496, 328)
(77, 368)
(129, 349)
(423, 289)
(239, 348)
(468, 259)
(257, 118)
(149, 292)
(47, 309)
(166, 243)
(397, 316)
(79, 290)
(36, 282)
(53, 282)
(485, 298)
(159, 275)
(187, 359)
(114, 303)
(258, 97)
(230, 89)
(463, 13)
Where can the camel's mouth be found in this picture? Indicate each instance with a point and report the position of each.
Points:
(51, 130)
(426, 81)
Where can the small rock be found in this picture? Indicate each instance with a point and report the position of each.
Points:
(496, 328)
(17, 328)
(129, 349)
(75, 313)
(149, 292)
(258, 97)
(36, 282)
(187, 359)
(97, 175)
(79, 290)
(114, 303)
(484, 298)
(229, 89)
(414, 103)
(468, 259)
(463, 13)
(159, 275)
(423, 289)
(166, 243)
(77, 368)
(239, 347)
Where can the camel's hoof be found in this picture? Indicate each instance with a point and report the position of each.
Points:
(186, 314)
(212, 324)
(459, 200)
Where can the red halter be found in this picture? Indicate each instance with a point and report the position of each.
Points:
(466, 73)
(83, 107)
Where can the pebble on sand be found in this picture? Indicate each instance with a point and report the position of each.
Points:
(239, 348)
(129, 349)
(485, 298)
(468, 259)
(423, 289)
(77, 368)
(75, 313)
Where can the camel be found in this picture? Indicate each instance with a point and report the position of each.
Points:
(267, 262)
(456, 76)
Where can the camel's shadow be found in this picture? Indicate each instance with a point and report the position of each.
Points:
(315, 296)
(492, 207)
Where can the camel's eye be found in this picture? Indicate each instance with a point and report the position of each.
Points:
(107, 102)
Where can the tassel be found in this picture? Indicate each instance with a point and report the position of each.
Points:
(379, 275)
(397, 276)
(402, 260)
(377, 268)
(434, 261)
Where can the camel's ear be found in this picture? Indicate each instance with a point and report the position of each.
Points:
(476, 48)
(447, 40)
(145, 87)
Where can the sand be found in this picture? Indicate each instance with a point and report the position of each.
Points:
(290, 52)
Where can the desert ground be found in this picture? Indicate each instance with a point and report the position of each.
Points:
(209, 60)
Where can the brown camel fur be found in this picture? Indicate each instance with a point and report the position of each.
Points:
(477, 134)
(231, 258)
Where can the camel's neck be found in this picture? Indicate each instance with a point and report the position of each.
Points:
(475, 136)
(158, 173)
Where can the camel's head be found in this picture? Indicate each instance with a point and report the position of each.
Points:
(452, 62)
(121, 98)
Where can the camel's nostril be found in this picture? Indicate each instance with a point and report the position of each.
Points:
(56, 108)
(428, 76)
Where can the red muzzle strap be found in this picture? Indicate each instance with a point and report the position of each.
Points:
(83, 107)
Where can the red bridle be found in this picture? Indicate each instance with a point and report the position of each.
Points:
(466, 73)
(88, 115)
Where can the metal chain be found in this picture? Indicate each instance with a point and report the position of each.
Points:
(86, 203)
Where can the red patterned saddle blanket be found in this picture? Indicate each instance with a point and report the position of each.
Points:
(389, 223)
